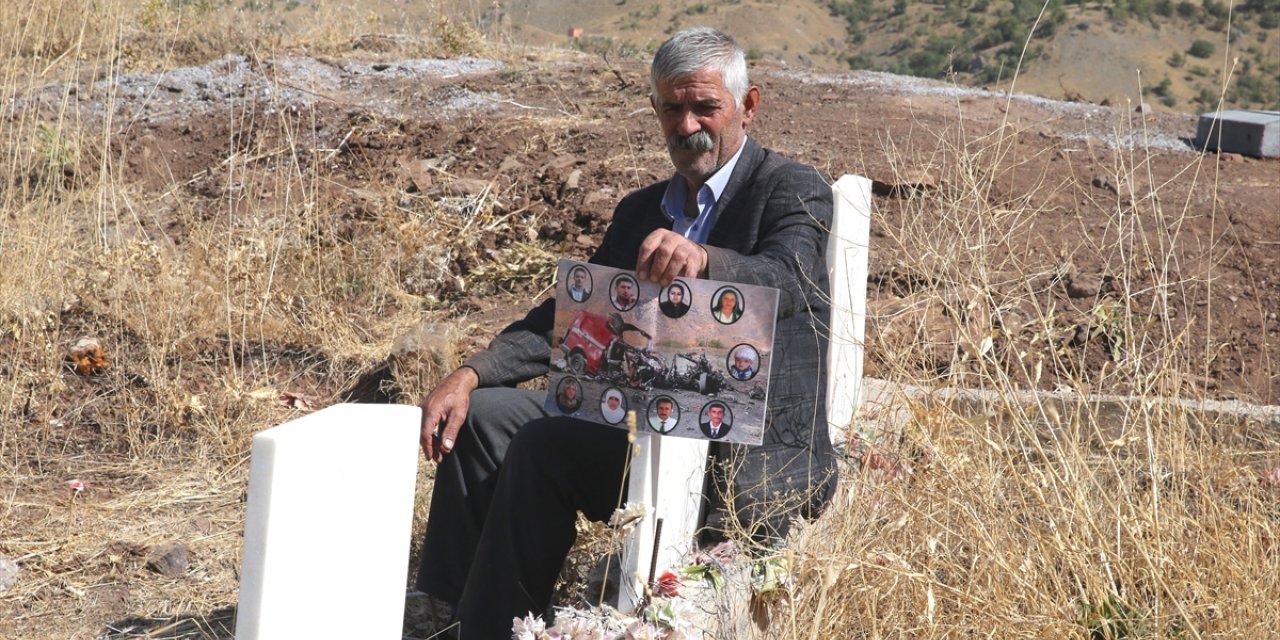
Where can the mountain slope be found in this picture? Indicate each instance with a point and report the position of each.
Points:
(1173, 56)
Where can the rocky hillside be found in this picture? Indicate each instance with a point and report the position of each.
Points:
(1174, 55)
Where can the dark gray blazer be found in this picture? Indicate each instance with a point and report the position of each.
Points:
(770, 230)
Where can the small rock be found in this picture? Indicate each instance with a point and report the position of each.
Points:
(170, 560)
(1079, 336)
(571, 183)
(1144, 108)
(8, 574)
(369, 196)
(905, 183)
(1102, 182)
(561, 162)
(419, 172)
(464, 187)
(1079, 286)
(427, 344)
(510, 165)
(599, 196)
(204, 525)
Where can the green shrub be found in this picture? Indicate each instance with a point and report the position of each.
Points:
(1201, 49)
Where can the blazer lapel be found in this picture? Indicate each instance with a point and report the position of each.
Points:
(726, 229)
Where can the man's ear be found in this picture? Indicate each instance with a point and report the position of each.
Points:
(653, 104)
(749, 104)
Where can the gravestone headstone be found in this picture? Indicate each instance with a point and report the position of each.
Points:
(327, 530)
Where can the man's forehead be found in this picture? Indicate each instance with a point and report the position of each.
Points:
(703, 84)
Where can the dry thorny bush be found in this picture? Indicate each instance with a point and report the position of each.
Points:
(1034, 521)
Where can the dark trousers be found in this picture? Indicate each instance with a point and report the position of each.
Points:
(504, 506)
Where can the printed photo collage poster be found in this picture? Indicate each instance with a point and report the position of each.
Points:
(691, 359)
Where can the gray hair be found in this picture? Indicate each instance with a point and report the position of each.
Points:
(698, 48)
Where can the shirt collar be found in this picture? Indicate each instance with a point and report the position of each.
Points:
(673, 200)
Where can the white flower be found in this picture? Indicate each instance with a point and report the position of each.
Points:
(626, 516)
(528, 628)
(640, 630)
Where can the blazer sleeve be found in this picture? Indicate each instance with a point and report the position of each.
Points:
(522, 351)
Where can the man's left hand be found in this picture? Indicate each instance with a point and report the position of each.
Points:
(666, 255)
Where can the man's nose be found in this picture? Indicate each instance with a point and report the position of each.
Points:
(688, 124)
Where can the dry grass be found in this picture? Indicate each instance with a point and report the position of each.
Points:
(207, 316)
(1034, 525)
(1023, 519)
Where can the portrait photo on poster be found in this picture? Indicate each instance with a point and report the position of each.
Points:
(624, 291)
(716, 420)
(613, 405)
(727, 305)
(664, 414)
(578, 285)
(743, 362)
(569, 395)
(675, 300)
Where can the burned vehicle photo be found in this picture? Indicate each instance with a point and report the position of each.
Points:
(605, 348)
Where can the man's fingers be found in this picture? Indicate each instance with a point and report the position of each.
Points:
(430, 422)
(644, 260)
(665, 256)
(660, 263)
(449, 436)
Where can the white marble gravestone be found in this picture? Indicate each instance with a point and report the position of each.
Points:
(326, 536)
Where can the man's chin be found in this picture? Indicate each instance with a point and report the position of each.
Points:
(693, 167)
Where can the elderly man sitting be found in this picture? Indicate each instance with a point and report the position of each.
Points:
(512, 479)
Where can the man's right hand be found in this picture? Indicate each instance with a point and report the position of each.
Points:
(666, 255)
(444, 410)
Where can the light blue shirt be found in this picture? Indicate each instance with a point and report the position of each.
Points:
(673, 201)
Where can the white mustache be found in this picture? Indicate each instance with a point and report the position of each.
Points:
(699, 141)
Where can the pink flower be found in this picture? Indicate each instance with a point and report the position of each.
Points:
(75, 486)
(668, 585)
(1270, 477)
